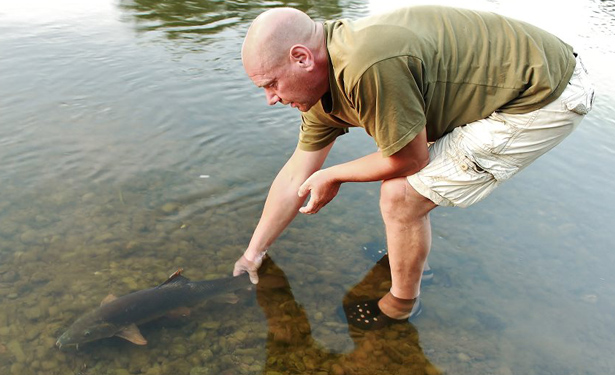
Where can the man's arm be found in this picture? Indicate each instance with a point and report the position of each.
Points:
(324, 184)
(281, 206)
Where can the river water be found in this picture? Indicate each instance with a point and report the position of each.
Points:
(132, 143)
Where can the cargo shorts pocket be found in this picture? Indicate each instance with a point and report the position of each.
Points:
(579, 95)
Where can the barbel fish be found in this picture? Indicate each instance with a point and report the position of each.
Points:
(121, 316)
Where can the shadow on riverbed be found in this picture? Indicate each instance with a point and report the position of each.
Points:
(292, 349)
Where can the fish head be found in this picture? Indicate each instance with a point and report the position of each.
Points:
(89, 327)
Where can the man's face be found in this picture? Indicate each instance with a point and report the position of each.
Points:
(287, 83)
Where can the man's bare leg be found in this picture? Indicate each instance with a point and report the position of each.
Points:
(406, 218)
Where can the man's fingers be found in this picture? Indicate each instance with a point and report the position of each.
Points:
(244, 265)
(253, 276)
(309, 207)
(238, 269)
(303, 190)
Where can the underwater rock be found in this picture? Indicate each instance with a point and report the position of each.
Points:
(30, 237)
(432, 370)
(309, 362)
(281, 335)
(198, 337)
(503, 370)
(214, 324)
(130, 282)
(88, 197)
(200, 371)
(53, 311)
(155, 370)
(32, 333)
(138, 362)
(240, 335)
(178, 350)
(391, 335)
(337, 369)
(17, 369)
(170, 207)
(15, 348)
(5, 331)
(33, 313)
(8, 228)
(49, 365)
(9, 276)
(207, 354)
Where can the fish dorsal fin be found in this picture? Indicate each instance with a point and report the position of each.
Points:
(175, 277)
(108, 299)
(132, 334)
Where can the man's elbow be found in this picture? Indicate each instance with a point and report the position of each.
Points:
(422, 163)
(409, 165)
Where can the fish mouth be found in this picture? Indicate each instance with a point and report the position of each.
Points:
(61, 344)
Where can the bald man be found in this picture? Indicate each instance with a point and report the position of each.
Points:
(457, 102)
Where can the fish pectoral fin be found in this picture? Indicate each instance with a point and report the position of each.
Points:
(108, 299)
(132, 334)
(231, 298)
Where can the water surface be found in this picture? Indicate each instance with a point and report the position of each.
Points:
(132, 143)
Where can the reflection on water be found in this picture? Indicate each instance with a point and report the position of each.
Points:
(184, 19)
(132, 143)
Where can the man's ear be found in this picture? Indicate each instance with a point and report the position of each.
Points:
(302, 55)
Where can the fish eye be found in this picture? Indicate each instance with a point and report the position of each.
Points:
(86, 333)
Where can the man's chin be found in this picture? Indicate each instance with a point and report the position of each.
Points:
(304, 107)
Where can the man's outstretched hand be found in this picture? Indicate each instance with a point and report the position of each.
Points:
(250, 266)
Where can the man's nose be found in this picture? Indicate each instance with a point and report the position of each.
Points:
(272, 98)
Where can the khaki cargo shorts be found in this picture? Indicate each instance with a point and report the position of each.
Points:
(467, 164)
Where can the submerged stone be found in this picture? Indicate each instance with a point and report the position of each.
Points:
(49, 365)
(199, 371)
(30, 237)
(170, 207)
(337, 369)
(17, 369)
(15, 348)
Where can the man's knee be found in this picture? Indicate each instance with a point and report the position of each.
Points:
(398, 199)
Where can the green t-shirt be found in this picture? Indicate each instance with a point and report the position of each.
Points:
(433, 67)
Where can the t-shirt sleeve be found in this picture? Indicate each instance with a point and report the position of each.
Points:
(389, 101)
(319, 129)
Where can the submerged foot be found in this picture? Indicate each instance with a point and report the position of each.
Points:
(369, 315)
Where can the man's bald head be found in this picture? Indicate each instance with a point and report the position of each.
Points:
(274, 32)
(285, 53)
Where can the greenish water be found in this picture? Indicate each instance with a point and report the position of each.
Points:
(132, 143)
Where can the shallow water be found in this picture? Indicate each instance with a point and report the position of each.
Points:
(132, 143)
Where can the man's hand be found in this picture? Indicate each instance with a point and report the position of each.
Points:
(322, 190)
(250, 266)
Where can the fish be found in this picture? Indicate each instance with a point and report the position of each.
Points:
(121, 316)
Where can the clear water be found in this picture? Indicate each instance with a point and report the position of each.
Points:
(132, 143)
